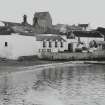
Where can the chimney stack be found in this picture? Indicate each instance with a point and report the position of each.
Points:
(24, 20)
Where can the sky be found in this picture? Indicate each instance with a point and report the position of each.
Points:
(62, 11)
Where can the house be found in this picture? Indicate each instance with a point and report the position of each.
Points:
(85, 27)
(22, 27)
(51, 43)
(100, 45)
(86, 36)
(62, 28)
(42, 21)
(65, 29)
(81, 39)
(13, 45)
(101, 30)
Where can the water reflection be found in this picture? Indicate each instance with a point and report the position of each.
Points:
(71, 85)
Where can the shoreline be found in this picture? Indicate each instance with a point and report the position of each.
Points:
(41, 67)
(22, 69)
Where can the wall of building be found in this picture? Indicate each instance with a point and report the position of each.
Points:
(97, 55)
(87, 40)
(5, 50)
(18, 45)
(24, 46)
(53, 48)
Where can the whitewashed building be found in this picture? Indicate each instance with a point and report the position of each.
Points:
(13, 46)
(51, 43)
(86, 37)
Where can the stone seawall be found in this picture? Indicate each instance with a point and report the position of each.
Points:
(97, 55)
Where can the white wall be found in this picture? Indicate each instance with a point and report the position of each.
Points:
(87, 40)
(5, 52)
(53, 48)
(24, 46)
(18, 45)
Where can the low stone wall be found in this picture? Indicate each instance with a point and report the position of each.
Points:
(97, 55)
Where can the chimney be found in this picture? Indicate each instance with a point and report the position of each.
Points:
(24, 20)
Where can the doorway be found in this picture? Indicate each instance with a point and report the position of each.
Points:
(70, 47)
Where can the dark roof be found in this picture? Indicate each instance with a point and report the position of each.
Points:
(88, 34)
(41, 15)
(14, 24)
(11, 23)
(23, 29)
(6, 30)
(83, 25)
(101, 30)
(49, 37)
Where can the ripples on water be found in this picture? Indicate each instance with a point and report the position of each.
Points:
(75, 85)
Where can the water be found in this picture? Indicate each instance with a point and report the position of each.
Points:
(71, 85)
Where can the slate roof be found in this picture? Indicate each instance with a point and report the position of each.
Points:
(88, 34)
(6, 30)
(49, 37)
(83, 25)
(41, 15)
(101, 30)
(11, 23)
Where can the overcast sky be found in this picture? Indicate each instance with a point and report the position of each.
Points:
(62, 11)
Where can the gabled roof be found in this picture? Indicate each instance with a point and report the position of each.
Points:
(101, 30)
(18, 28)
(88, 34)
(15, 24)
(11, 23)
(49, 37)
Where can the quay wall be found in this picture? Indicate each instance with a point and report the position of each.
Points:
(97, 55)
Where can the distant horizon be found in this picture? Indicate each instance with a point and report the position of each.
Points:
(64, 12)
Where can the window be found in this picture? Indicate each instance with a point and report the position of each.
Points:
(56, 44)
(44, 44)
(61, 44)
(6, 44)
(50, 44)
(48, 50)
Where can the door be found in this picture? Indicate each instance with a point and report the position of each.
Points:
(70, 47)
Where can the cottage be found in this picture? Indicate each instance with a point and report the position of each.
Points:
(81, 39)
(86, 36)
(15, 45)
(100, 45)
(12, 46)
(51, 43)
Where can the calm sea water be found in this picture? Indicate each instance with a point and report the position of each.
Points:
(71, 85)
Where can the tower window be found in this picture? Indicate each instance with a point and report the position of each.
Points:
(6, 44)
